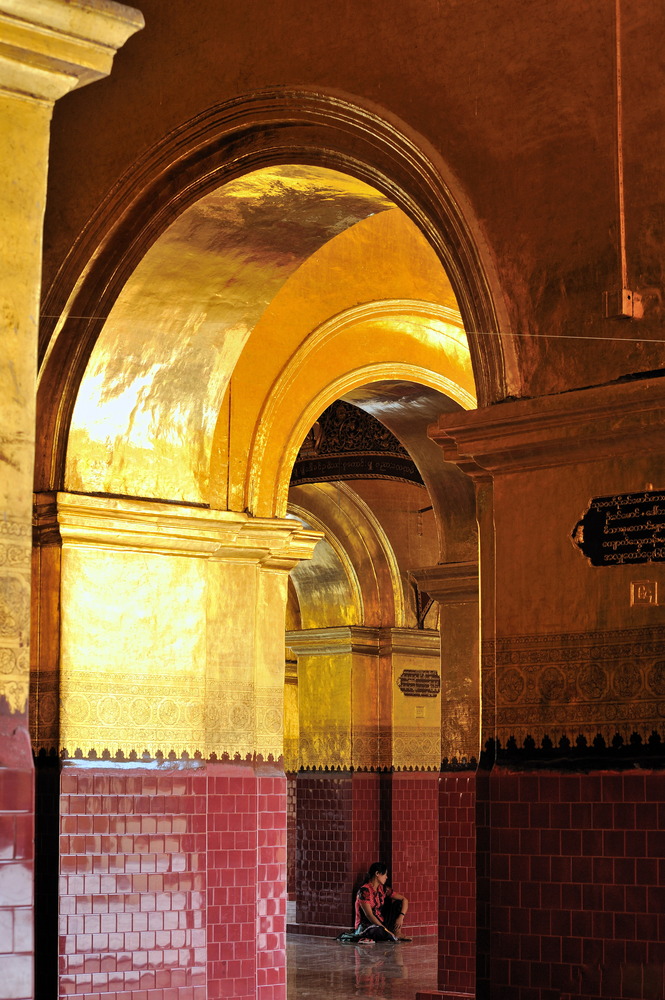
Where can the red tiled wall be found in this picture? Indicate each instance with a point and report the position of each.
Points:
(343, 825)
(161, 869)
(231, 896)
(457, 882)
(415, 847)
(271, 886)
(16, 882)
(324, 853)
(133, 879)
(291, 836)
(346, 822)
(577, 885)
(369, 841)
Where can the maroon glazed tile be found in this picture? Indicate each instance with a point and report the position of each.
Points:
(614, 898)
(571, 950)
(540, 867)
(612, 788)
(656, 899)
(571, 896)
(550, 948)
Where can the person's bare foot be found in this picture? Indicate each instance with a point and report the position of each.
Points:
(365, 941)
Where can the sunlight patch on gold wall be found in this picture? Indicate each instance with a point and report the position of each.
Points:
(151, 395)
(133, 652)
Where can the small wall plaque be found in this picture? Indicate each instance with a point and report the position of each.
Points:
(644, 592)
(625, 529)
(419, 683)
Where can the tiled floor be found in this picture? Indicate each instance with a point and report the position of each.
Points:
(319, 968)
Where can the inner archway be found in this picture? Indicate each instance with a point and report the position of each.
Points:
(265, 303)
(362, 704)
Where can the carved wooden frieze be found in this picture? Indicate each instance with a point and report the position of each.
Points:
(347, 443)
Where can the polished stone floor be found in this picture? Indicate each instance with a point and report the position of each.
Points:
(322, 967)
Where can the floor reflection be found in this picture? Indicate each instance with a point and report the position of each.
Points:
(321, 968)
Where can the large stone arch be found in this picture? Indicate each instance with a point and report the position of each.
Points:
(217, 146)
(225, 673)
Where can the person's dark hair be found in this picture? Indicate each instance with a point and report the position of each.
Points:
(378, 868)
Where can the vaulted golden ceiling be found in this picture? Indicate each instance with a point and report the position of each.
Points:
(189, 370)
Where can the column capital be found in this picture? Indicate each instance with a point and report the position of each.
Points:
(49, 47)
(175, 529)
(449, 583)
(586, 425)
(334, 640)
(362, 639)
(411, 641)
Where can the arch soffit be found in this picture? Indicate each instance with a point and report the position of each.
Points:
(269, 466)
(358, 537)
(225, 142)
(344, 571)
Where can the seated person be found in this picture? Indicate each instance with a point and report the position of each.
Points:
(380, 911)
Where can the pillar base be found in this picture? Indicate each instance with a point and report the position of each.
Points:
(316, 930)
(437, 995)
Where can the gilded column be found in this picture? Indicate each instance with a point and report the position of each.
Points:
(571, 653)
(369, 698)
(414, 655)
(455, 587)
(165, 628)
(47, 47)
(245, 637)
(344, 698)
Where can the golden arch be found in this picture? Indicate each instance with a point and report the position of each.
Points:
(431, 337)
(269, 489)
(361, 544)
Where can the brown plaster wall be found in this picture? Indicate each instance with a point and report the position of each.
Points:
(517, 100)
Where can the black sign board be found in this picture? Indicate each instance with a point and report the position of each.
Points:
(419, 683)
(628, 528)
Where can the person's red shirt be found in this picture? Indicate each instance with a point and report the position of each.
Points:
(375, 898)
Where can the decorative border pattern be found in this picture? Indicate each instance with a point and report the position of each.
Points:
(580, 755)
(15, 554)
(572, 684)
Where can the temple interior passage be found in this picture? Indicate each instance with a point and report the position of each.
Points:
(332, 497)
